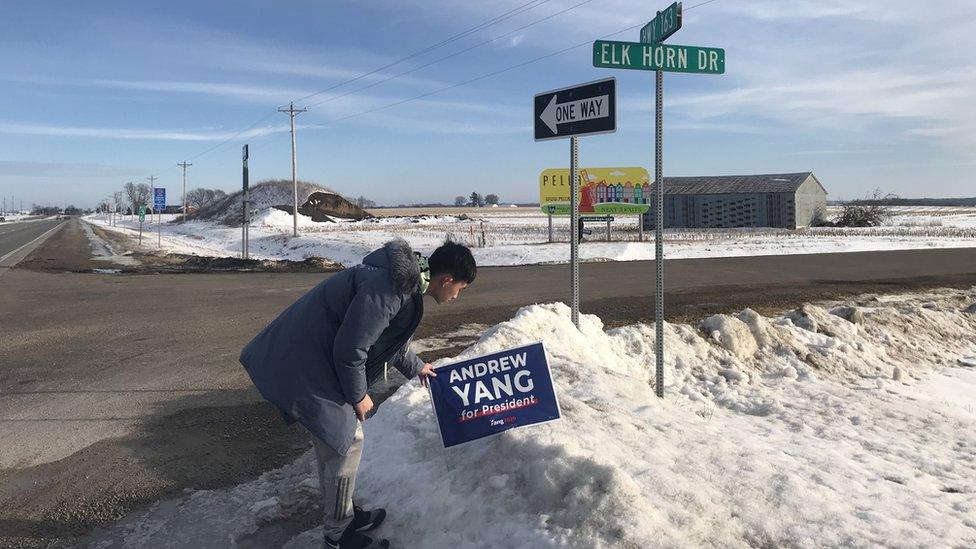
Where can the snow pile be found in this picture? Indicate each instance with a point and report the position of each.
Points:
(10, 217)
(786, 431)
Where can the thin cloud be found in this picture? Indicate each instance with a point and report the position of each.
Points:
(134, 134)
(832, 152)
(245, 92)
(65, 170)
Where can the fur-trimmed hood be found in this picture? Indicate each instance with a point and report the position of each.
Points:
(397, 257)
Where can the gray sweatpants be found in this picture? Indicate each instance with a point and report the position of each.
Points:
(337, 477)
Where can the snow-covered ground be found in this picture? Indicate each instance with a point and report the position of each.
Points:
(514, 237)
(834, 425)
(11, 217)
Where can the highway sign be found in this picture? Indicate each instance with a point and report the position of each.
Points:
(664, 25)
(658, 57)
(583, 109)
(159, 198)
(142, 213)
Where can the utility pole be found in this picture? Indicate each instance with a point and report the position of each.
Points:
(292, 111)
(184, 165)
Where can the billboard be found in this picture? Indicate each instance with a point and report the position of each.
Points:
(603, 191)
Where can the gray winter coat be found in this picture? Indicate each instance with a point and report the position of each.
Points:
(316, 359)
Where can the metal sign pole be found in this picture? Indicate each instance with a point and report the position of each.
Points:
(574, 225)
(659, 229)
(550, 226)
(245, 195)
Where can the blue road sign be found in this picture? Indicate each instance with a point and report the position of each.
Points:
(487, 395)
(159, 198)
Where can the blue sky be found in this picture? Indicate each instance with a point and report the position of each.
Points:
(865, 94)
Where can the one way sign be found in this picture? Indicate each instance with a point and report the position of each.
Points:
(578, 110)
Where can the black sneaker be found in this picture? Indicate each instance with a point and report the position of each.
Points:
(364, 521)
(352, 539)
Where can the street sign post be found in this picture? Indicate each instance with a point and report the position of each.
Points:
(583, 109)
(608, 219)
(142, 219)
(245, 195)
(658, 57)
(664, 25)
(159, 204)
(651, 54)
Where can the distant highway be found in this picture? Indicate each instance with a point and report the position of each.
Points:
(19, 236)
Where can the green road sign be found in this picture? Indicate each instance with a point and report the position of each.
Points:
(658, 57)
(142, 213)
(664, 25)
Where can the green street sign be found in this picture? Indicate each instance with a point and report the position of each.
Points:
(664, 25)
(658, 57)
(142, 213)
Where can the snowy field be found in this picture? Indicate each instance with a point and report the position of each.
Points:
(520, 236)
(834, 425)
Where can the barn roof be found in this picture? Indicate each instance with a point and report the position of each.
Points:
(735, 184)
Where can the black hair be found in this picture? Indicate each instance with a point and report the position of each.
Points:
(453, 259)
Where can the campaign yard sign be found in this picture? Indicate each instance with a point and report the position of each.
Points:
(483, 396)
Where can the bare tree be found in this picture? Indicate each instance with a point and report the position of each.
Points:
(365, 203)
(491, 199)
(137, 194)
(460, 201)
(201, 198)
(871, 211)
(476, 200)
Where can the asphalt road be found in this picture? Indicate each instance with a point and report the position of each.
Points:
(18, 236)
(117, 390)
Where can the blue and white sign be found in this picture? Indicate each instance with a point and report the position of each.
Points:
(486, 395)
(159, 198)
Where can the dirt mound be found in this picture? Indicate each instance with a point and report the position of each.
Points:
(324, 206)
(269, 194)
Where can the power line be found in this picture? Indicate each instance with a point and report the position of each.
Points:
(455, 54)
(497, 19)
(507, 15)
(452, 86)
(500, 71)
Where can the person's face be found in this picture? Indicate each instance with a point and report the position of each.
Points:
(444, 288)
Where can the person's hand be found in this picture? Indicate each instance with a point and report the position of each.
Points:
(427, 371)
(363, 407)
